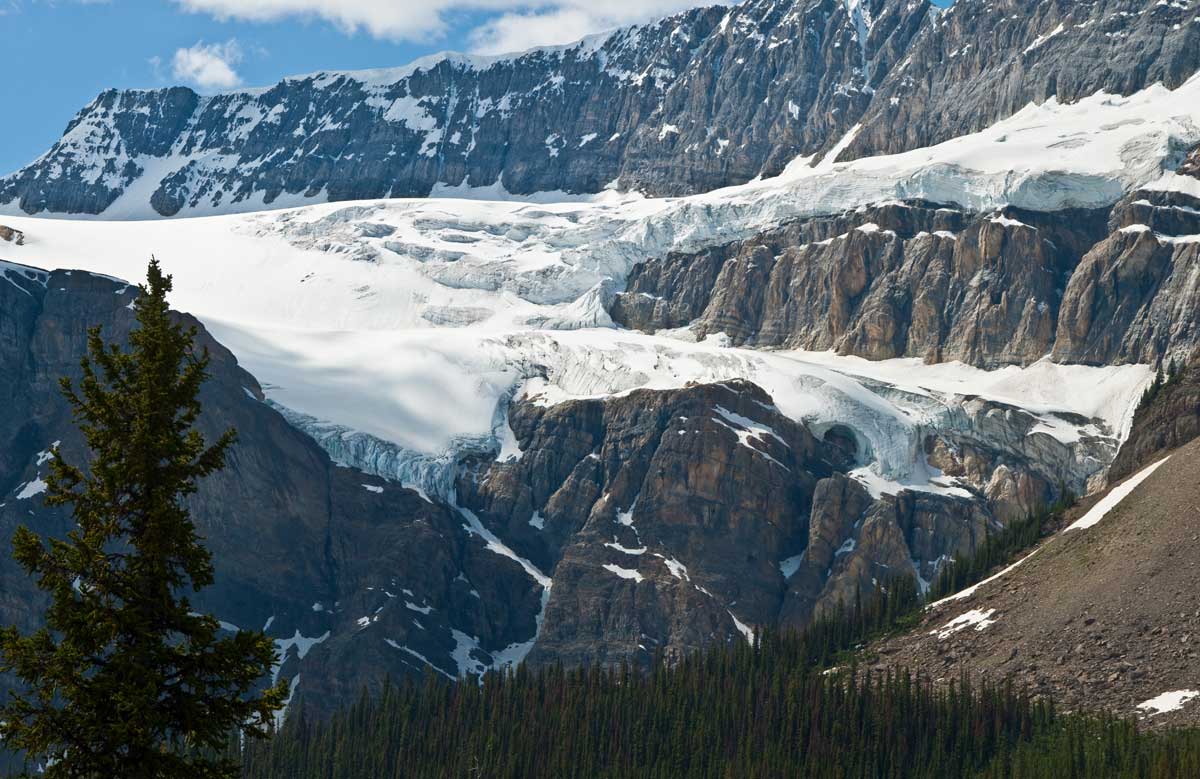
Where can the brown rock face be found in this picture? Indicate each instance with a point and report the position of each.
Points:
(889, 281)
(1191, 165)
(911, 280)
(663, 515)
(910, 534)
(1133, 296)
(11, 235)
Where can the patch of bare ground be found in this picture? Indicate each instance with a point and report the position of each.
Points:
(1103, 617)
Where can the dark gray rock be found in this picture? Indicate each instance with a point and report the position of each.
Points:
(692, 102)
(300, 544)
(979, 62)
(675, 492)
(704, 99)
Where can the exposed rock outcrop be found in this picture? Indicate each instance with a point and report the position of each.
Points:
(885, 281)
(1170, 420)
(856, 542)
(1191, 165)
(1133, 297)
(663, 514)
(13, 236)
(1094, 287)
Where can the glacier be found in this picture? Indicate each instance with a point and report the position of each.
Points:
(396, 331)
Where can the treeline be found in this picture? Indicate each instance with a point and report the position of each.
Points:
(1162, 380)
(734, 710)
(998, 548)
(772, 709)
(893, 605)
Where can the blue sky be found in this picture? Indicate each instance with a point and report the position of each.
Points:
(62, 53)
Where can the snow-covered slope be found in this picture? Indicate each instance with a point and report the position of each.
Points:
(410, 322)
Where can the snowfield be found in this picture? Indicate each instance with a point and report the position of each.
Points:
(395, 332)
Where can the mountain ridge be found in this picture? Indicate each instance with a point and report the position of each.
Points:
(701, 100)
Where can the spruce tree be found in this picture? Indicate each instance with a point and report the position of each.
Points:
(126, 679)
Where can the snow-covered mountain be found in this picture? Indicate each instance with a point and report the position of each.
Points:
(952, 249)
(701, 100)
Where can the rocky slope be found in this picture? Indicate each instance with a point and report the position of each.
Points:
(1101, 616)
(1102, 613)
(701, 100)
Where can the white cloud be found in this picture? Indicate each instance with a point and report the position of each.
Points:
(208, 66)
(511, 25)
(517, 32)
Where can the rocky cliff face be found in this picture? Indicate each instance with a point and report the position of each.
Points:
(905, 279)
(320, 556)
(982, 61)
(1096, 287)
(664, 515)
(697, 101)
(669, 519)
(1133, 297)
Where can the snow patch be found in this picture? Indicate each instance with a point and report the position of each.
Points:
(743, 628)
(624, 573)
(29, 489)
(1114, 497)
(302, 645)
(973, 618)
(1168, 701)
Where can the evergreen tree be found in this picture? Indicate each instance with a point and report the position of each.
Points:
(125, 679)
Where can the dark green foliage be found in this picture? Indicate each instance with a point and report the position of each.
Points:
(997, 549)
(894, 605)
(1162, 379)
(732, 711)
(125, 679)
(770, 709)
